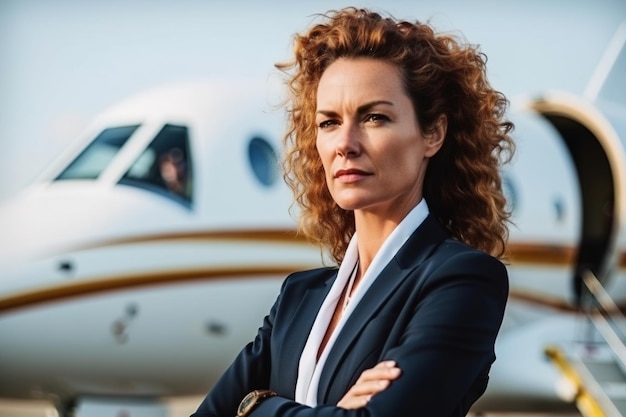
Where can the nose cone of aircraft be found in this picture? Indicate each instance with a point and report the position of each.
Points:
(61, 216)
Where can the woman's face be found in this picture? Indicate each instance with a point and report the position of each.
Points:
(369, 140)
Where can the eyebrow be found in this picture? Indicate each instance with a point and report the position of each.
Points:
(360, 110)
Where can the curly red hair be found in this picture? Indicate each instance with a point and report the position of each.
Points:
(442, 76)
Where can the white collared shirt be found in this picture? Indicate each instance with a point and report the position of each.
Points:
(309, 370)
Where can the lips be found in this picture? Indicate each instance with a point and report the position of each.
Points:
(350, 171)
(351, 174)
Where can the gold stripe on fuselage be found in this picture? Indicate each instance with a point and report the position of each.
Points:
(263, 236)
(542, 254)
(519, 254)
(65, 290)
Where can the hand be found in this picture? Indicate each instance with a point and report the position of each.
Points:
(371, 382)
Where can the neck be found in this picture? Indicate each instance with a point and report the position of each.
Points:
(372, 233)
(373, 229)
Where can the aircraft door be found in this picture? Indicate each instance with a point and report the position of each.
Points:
(592, 144)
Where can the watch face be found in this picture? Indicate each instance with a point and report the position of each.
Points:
(247, 403)
(251, 400)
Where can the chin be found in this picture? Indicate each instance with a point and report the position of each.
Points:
(351, 205)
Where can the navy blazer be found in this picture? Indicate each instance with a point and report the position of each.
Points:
(435, 309)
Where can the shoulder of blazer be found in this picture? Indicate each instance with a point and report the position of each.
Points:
(454, 258)
(422, 243)
(310, 278)
(453, 252)
(431, 244)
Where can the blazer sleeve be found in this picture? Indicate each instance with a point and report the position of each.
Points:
(445, 349)
(252, 369)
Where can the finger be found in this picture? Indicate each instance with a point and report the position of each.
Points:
(379, 373)
(369, 388)
(350, 403)
(371, 382)
(386, 364)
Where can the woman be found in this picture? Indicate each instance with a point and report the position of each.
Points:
(393, 153)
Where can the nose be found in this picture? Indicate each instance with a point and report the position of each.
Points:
(349, 141)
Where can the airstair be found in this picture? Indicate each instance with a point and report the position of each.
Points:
(596, 364)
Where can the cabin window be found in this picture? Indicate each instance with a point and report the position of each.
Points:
(263, 160)
(510, 193)
(164, 167)
(90, 163)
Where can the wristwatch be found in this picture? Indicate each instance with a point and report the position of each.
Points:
(252, 400)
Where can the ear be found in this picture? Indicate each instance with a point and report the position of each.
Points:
(434, 139)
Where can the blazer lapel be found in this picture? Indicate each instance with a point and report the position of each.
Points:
(297, 331)
(416, 249)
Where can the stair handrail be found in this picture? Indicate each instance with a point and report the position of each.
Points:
(611, 322)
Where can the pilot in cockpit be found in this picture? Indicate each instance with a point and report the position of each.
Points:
(173, 170)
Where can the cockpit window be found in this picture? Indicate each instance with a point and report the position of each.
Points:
(90, 163)
(164, 167)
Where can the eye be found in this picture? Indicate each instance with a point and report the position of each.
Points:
(327, 123)
(376, 118)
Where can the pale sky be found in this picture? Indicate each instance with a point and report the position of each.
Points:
(64, 61)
